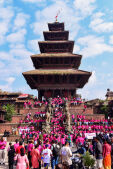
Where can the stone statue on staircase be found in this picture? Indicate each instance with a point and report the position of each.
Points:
(48, 117)
(68, 121)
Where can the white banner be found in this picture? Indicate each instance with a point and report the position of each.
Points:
(90, 135)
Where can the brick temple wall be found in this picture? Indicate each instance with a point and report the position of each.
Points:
(9, 126)
(77, 110)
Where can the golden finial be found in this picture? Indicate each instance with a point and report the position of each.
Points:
(56, 17)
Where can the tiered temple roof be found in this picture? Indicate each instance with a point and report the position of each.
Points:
(56, 68)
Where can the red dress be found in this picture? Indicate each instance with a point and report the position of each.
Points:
(35, 157)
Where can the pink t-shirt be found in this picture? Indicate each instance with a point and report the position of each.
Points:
(2, 145)
(40, 148)
(16, 145)
(30, 147)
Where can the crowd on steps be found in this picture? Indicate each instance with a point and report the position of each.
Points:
(56, 148)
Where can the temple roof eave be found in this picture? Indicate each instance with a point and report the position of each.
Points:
(56, 72)
(40, 85)
(56, 31)
(56, 55)
(56, 41)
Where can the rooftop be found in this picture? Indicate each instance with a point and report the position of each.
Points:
(65, 41)
(56, 72)
(56, 55)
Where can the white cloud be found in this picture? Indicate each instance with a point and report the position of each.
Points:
(8, 84)
(2, 65)
(93, 46)
(111, 39)
(33, 1)
(85, 7)
(3, 28)
(48, 15)
(20, 20)
(17, 37)
(92, 80)
(2, 39)
(93, 89)
(33, 45)
(5, 56)
(76, 49)
(99, 25)
(2, 2)
(87, 90)
(17, 60)
(10, 80)
(6, 15)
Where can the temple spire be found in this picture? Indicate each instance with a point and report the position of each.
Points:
(56, 17)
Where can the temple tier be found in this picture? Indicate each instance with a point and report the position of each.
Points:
(56, 68)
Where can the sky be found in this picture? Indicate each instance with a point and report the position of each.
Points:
(90, 25)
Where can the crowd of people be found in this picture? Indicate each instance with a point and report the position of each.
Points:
(37, 103)
(54, 148)
(44, 152)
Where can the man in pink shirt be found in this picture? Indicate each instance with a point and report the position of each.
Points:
(2, 150)
(16, 144)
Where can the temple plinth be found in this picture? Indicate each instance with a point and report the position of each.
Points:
(56, 68)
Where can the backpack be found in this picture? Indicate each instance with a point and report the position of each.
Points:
(56, 151)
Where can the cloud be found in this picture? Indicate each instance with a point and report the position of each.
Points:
(48, 15)
(16, 60)
(76, 49)
(2, 39)
(5, 56)
(5, 19)
(10, 80)
(7, 86)
(93, 89)
(20, 20)
(92, 80)
(17, 37)
(99, 25)
(2, 2)
(85, 7)
(87, 90)
(93, 46)
(33, 1)
(111, 39)
(33, 45)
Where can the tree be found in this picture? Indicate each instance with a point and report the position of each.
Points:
(104, 110)
(10, 111)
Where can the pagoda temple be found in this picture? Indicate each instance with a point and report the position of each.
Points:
(56, 67)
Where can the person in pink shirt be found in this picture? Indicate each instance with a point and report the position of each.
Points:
(63, 140)
(16, 144)
(30, 147)
(2, 150)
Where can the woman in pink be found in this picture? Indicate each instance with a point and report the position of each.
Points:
(16, 144)
(30, 147)
(22, 160)
(35, 157)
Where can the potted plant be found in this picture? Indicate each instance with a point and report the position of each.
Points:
(88, 161)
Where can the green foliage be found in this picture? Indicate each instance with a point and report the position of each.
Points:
(104, 110)
(88, 160)
(10, 111)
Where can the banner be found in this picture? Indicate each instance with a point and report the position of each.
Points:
(90, 135)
